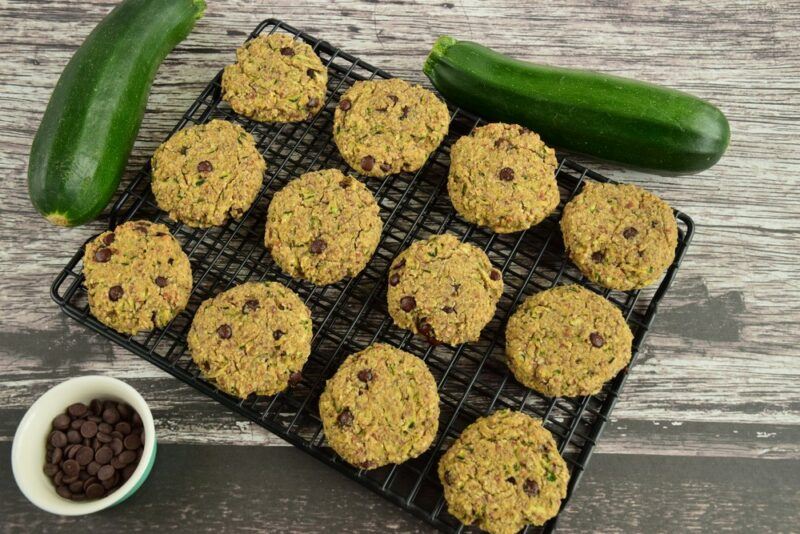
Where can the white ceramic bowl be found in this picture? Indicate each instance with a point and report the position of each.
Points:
(28, 450)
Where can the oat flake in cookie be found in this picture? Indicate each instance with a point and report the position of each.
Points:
(275, 79)
(620, 236)
(384, 127)
(503, 176)
(567, 341)
(253, 338)
(504, 472)
(323, 226)
(137, 276)
(205, 173)
(381, 407)
(443, 289)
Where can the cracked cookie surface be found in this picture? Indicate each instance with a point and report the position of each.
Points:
(619, 235)
(323, 227)
(384, 127)
(504, 472)
(275, 79)
(567, 341)
(207, 172)
(443, 289)
(137, 277)
(502, 176)
(381, 407)
(253, 338)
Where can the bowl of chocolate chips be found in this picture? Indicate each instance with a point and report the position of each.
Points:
(85, 445)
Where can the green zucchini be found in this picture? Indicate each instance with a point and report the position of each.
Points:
(90, 124)
(616, 119)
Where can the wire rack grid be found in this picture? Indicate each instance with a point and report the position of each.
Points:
(348, 316)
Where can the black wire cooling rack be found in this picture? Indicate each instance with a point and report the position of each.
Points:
(348, 316)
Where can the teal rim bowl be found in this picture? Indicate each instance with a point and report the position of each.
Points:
(28, 449)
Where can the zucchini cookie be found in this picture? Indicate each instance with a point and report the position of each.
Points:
(137, 276)
(206, 172)
(275, 79)
(383, 127)
(381, 407)
(323, 227)
(503, 473)
(620, 236)
(253, 338)
(567, 341)
(444, 289)
(503, 176)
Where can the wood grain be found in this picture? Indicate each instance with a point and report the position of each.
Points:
(718, 375)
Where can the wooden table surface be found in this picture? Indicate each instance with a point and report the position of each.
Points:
(706, 436)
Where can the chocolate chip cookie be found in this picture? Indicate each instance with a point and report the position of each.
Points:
(275, 79)
(504, 472)
(384, 127)
(443, 289)
(323, 227)
(567, 341)
(381, 407)
(253, 338)
(137, 276)
(205, 173)
(503, 176)
(620, 236)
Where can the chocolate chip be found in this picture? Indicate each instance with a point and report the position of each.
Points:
(71, 468)
(111, 415)
(63, 491)
(345, 104)
(400, 264)
(312, 103)
(287, 51)
(224, 331)
(102, 255)
(495, 275)
(123, 427)
(93, 468)
(84, 455)
(277, 334)
(102, 437)
(531, 488)
(73, 436)
(365, 375)
(295, 378)
(405, 110)
(161, 281)
(630, 232)
(394, 279)
(596, 339)
(250, 305)
(95, 491)
(385, 167)
(111, 482)
(311, 73)
(128, 471)
(103, 455)
(318, 246)
(104, 427)
(408, 303)
(58, 438)
(51, 469)
(88, 429)
(393, 98)
(424, 327)
(58, 477)
(126, 457)
(109, 238)
(367, 163)
(448, 309)
(117, 446)
(345, 418)
(76, 424)
(448, 477)
(105, 473)
(598, 256)
(61, 422)
(57, 454)
(506, 174)
(345, 183)
(511, 480)
(115, 293)
(205, 166)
